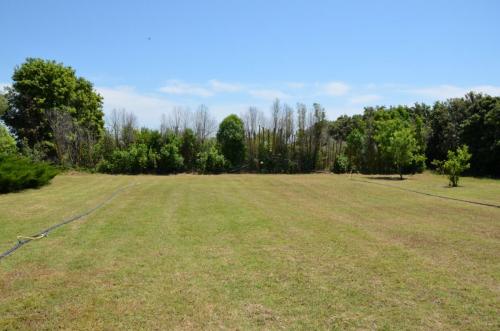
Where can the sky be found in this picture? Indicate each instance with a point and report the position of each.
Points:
(149, 56)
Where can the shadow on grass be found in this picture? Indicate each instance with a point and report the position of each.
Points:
(391, 178)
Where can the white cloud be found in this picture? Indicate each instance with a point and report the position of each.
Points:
(222, 110)
(487, 89)
(442, 92)
(268, 94)
(335, 88)
(180, 88)
(439, 92)
(218, 86)
(3, 86)
(333, 112)
(366, 98)
(295, 85)
(148, 108)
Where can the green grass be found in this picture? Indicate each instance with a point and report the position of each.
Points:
(252, 252)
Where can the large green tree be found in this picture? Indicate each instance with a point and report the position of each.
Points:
(42, 86)
(403, 149)
(355, 141)
(231, 138)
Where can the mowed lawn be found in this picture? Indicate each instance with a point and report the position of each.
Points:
(252, 252)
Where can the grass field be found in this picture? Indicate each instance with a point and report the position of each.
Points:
(253, 252)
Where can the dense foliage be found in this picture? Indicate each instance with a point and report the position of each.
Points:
(17, 173)
(474, 121)
(57, 116)
(7, 142)
(52, 109)
(231, 138)
(128, 149)
(428, 133)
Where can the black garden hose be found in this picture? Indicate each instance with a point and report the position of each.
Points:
(428, 194)
(23, 240)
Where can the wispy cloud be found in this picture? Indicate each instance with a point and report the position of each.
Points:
(147, 107)
(365, 98)
(181, 88)
(334, 88)
(295, 85)
(3, 86)
(218, 86)
(268, 94)
(442, 92)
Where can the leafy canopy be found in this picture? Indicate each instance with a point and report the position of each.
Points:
(7, 142)
(231, 138)
(40, 86)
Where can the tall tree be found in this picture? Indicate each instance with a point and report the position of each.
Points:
(231, 138)
(403, 147)
(40, 86)
(189, 149)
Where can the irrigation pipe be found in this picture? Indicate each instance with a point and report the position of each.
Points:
(23, 240)
(428, 194)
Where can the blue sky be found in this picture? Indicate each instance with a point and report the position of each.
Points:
(148, 56)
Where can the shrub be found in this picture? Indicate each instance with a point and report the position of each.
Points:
(210, 161)
(7, 142)
(17, 173)
(170, 159)
(341, 164)
(457, 163)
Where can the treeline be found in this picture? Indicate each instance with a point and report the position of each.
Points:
(184, 143)
(56, 116)
(473, 121)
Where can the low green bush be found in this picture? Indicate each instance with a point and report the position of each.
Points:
(341, 164)
(211, 161)
(18, 173)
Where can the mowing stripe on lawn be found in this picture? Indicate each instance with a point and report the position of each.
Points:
(23, 240)
(428, 194)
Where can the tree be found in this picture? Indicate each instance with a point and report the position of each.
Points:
(188, 148)
(7, 142)
(204, 124)
(355, 141)
(40, 86)
(231, 138)
(3, 104)
(403, 147)
(455, 165)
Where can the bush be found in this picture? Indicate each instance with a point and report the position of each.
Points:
(7, 142)
(170, 159)
(457, 163)
(138, 158)
(210, 161)
(341, 164)
(17, 173)
(418, 164)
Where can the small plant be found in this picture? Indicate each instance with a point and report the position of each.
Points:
(455, 165)
(341, 164)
